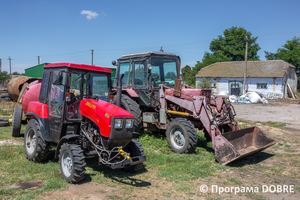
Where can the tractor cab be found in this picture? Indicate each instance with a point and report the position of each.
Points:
(144, 72)
(63, 87)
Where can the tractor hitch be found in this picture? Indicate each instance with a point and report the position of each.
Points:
(129, 162)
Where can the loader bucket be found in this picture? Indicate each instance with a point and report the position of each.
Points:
(234, 145)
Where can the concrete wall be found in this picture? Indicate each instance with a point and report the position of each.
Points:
(222, 84)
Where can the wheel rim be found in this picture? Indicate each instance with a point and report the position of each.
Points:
(30, 141)
(177, 138)
(67, 164)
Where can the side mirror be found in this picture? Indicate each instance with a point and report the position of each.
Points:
(114, 63)
(149, 66)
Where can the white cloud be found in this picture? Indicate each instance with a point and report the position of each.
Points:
(90, 14)
(104, 14)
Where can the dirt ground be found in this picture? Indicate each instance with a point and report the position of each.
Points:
(274, 112)
(277, 165)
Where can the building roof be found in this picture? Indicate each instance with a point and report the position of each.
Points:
(255, 69)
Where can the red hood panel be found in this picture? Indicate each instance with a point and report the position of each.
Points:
(101, 112)
(109, 108)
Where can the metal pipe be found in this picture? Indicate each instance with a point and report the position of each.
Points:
(178, 113)
(119, 91)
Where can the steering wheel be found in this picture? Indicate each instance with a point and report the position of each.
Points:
(154, 77)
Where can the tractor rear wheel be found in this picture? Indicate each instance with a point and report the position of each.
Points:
(135, 149)
(181, 136)
(71, 162)
(131, 106)
(36, 148)
(16, 121)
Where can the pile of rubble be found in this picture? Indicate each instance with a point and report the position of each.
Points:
(249, 97)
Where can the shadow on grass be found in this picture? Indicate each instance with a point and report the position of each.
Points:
(117, 175)
(204, 143)
(158, 135)
(251, 160)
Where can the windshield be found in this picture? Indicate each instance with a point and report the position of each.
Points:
(124, 69)
(163, 71)
(99, 86)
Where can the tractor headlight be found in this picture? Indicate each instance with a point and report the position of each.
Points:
(129, 123)
(118, 123)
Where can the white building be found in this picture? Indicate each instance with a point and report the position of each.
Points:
(262, 76)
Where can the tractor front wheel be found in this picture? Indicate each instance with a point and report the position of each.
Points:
(36, 148)
(71, 162)
(135, 149)
(181, 136)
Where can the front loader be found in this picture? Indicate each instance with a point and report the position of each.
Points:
(70, 108)
(152, 91)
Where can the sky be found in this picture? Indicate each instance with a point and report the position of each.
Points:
(67, 30)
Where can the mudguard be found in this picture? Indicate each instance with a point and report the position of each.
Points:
(64, 139)
(101, 113)
(43, 122)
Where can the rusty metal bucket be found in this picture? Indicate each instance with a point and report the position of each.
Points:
(234, 145)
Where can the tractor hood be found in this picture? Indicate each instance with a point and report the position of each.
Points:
(103, 106)
(101, 113)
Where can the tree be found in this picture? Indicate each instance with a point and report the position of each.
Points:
(171, 75)
(185, 72)
(229, 47)
(4, 76)
(191, 76)
(205, 84)
(290, 52)
(16, 73)
(232, 46)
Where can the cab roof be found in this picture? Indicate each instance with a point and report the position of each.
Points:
(79, 66)
(150, 52)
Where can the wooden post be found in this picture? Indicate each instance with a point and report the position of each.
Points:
(246, 55)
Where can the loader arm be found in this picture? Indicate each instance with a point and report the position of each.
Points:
(228, 146)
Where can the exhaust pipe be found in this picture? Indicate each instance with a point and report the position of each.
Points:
(119, 91)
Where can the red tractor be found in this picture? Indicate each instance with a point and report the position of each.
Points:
(70, 108)
(153, 93)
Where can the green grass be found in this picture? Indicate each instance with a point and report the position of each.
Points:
(272, 124)
(15, 168)
(174, 166)
(182, 171)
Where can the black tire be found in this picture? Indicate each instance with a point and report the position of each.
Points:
(36, 148)
(181, 136)
(131, 106)
(5, 99)
(4, 95)
(71, 162)
(135, 148)
(4, 123)
(16, 121)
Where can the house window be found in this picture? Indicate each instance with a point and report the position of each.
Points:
(261, 86)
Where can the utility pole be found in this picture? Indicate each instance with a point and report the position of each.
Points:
(246, 55)
(92, 56)
(38, 60)
(9, 66)
(0, 64)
